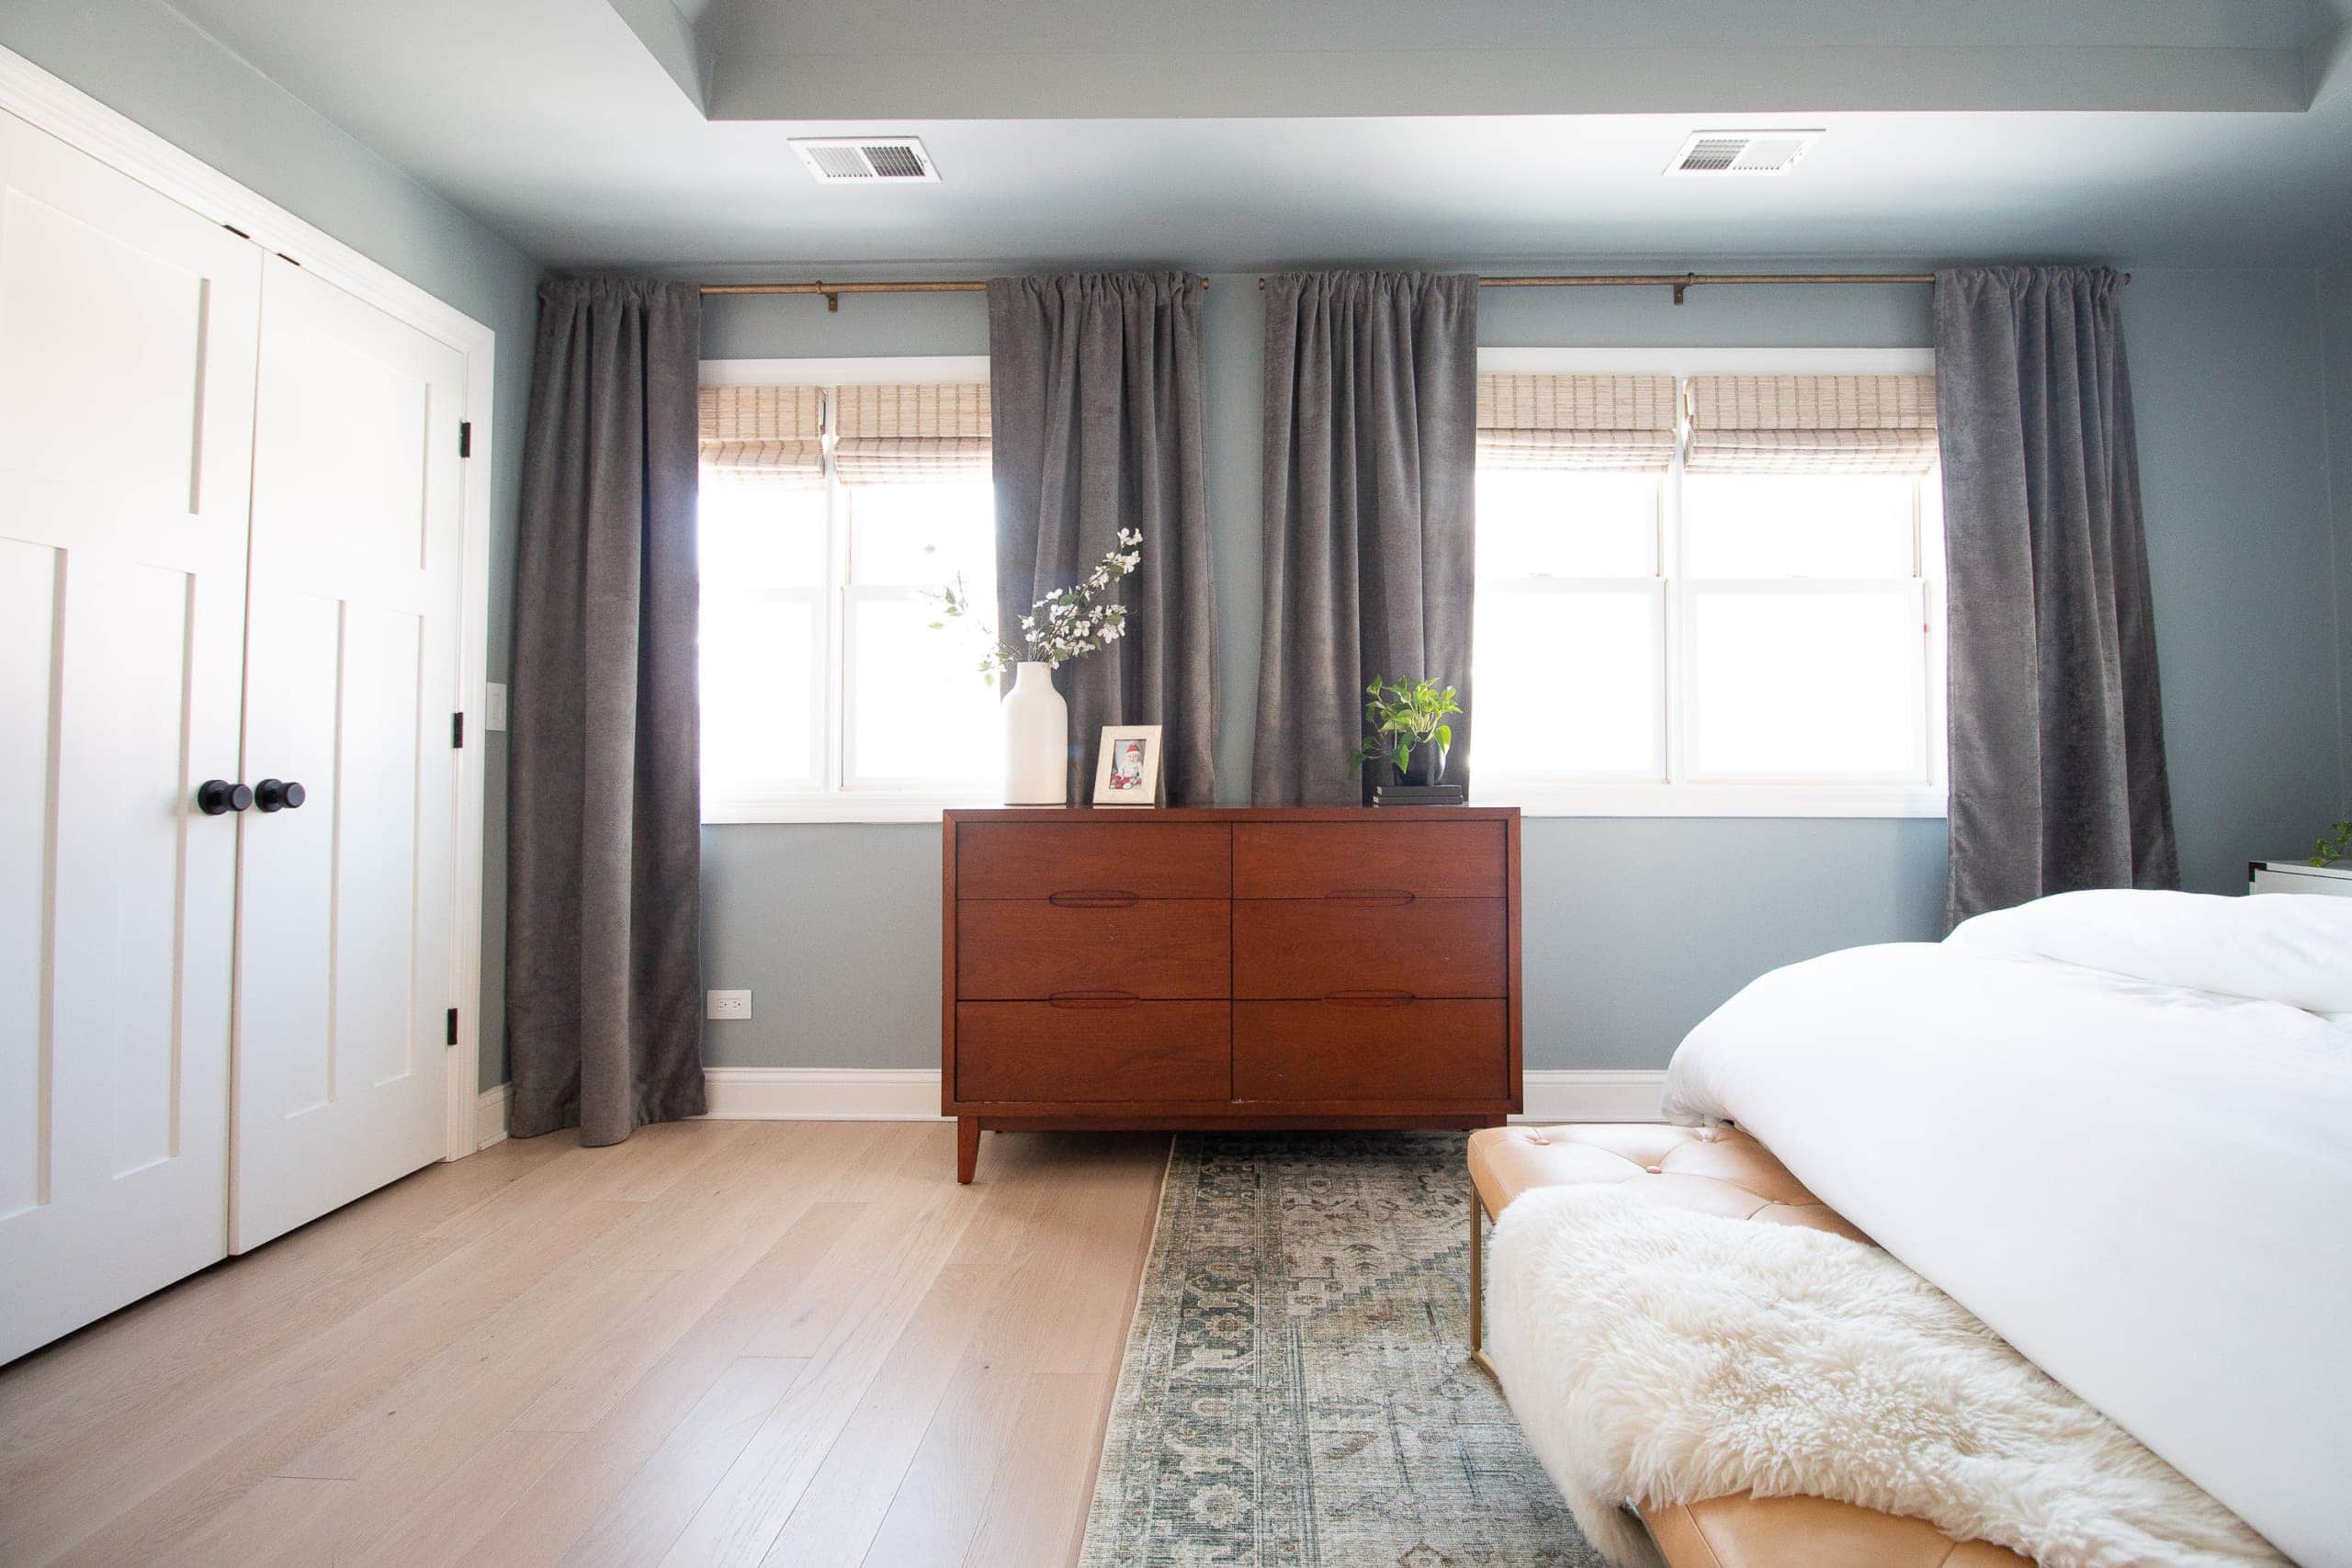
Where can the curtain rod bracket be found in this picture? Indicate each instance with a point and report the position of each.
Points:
(832, 300)
(1685, 282)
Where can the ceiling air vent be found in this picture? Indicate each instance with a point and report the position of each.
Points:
(866, 160)
(1742, 152)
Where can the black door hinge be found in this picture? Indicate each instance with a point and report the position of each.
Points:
(457, 730)
(465, 438)
(453, 1026)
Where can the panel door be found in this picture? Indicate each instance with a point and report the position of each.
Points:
(127, 333)
(345, 967)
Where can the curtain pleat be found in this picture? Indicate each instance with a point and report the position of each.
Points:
(2058, 777)
(1371, 452)
(1095, 383)
(604, 860)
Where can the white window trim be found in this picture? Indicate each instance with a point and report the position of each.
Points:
(1538, 797)
(844, 805)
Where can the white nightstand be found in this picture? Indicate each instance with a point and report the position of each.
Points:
(2299, 876)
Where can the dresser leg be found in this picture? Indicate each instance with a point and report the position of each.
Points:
(968, 1147)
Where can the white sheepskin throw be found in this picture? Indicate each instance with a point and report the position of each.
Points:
(1662, 1356)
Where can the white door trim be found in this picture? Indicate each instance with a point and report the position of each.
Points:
(52, 105)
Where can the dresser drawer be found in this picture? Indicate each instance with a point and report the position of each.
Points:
(1093, 1050)
(1308, 859)
(1091, 861)
(1371, 1051)
(1031, 950)
(1416, 947)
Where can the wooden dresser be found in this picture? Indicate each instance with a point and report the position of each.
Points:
(1199, 967)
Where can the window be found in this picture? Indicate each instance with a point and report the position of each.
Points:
(830, 512)
(1697, 597)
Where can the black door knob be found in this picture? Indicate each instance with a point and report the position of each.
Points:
(280, 794)
(214, 796)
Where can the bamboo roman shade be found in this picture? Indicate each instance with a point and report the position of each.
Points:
(774, 434)
(1624, 423)
(1811, 424)
(912, 433)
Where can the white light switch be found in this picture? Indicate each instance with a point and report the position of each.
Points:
(494, 706)
(727, 1004)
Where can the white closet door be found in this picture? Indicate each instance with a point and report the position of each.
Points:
(127, 332)
(346, 902)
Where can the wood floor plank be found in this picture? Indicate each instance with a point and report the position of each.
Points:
(547, 1353)
(143, 1489)
(936, 1513)
(640, 1523)
(539, 1528)
(851, 1491)
(1036, 1510)
(386, 1524)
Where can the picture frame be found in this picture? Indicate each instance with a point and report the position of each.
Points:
(1126, 765)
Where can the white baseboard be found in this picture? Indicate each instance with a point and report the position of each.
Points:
(912, 1094)
(1593, 1094)
(489, 1116)
(822, 1094)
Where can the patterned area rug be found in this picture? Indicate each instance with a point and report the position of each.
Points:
(1297, 1391)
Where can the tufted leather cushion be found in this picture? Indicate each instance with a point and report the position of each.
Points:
(1722, 1170)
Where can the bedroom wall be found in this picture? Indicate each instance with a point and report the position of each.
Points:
(1635, 928)
(2335, 311)
(150, 63)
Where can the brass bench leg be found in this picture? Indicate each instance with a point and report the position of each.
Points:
(1479, 1285)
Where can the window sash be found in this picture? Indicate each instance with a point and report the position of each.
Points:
(1682, 790)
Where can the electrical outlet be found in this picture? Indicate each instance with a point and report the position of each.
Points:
(727, 1004)
(494, 705)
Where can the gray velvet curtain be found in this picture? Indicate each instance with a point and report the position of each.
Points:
(2056, 730)
(603, 867)
(1371, 450)
(1095, 393)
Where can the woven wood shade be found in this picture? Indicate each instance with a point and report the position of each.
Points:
(912, 433)
(1624, 423)
(772, 435)
(1811, 424)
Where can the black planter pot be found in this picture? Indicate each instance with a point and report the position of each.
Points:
(1422, 784)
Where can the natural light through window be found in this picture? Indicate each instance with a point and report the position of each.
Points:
(1680, 642)
(826, 694)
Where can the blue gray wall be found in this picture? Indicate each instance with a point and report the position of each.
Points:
(150, 63)
(2335, 309)
(1635, 928)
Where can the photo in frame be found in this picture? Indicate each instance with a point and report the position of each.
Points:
(1126, 766)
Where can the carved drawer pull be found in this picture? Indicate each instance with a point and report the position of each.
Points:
(1093, 1000)
(1369, 998)
(1369, 895)
(1094, 899)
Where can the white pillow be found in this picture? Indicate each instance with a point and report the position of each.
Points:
(2279, 947)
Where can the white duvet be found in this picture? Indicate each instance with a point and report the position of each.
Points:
(2117, 1126)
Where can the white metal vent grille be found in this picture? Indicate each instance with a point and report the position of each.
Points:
(866, 160)
(1742, 152)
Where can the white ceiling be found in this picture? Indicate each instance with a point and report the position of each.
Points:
(1492, 131)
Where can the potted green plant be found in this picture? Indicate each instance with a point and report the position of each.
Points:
(1406, 720)
(2333, 845)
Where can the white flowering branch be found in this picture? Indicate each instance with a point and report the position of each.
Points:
(1066, 624)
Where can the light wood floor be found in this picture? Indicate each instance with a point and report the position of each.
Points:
(721, 1342)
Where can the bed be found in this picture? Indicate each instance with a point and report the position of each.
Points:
(2116, 1128)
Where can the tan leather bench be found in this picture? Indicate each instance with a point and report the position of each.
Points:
(1718, 1170)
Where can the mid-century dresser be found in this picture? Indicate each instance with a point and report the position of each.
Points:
(1199, 968)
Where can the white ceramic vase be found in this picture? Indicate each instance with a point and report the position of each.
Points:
(1037, 740)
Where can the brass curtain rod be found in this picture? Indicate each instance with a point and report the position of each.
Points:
(1677, 281)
